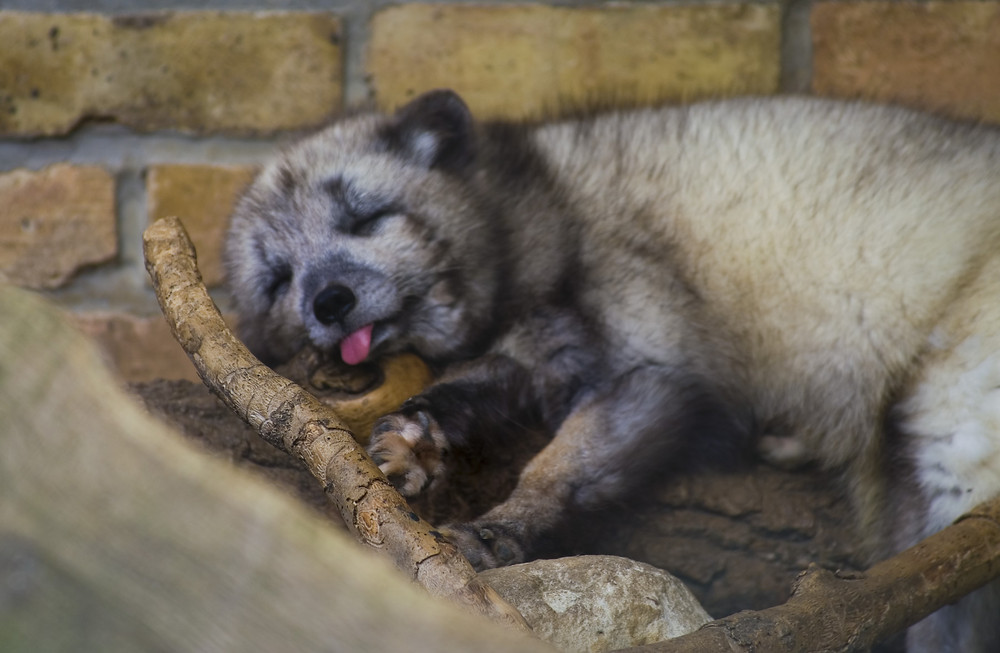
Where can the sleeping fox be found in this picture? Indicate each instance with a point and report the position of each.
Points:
(650, 286)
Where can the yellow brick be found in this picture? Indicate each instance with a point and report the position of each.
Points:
(193, 71)
(54, 222)
(943, 56)
(526, 60)
(202, 196)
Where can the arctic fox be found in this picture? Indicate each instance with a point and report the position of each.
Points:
(651, 285)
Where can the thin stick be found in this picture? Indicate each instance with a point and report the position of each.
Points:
(829, 612)
(294, 421)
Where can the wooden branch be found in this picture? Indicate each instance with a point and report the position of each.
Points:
(117, 535)
(294, 421)
(828, 612)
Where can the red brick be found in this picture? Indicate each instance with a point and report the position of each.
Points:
(55, 222)
(138, 348)
(942, 56)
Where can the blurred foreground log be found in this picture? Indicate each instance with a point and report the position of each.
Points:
(117, 536)
(294, 421)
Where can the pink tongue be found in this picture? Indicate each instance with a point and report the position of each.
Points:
(354, 348)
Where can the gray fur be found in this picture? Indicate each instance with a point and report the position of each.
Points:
(651, 284)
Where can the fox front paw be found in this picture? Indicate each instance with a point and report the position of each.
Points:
(410, 448)
(486, 545)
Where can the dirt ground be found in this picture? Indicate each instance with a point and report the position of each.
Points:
(737, 538)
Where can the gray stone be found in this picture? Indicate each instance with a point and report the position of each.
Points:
(598, 603)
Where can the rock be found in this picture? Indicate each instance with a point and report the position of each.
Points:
(598, 603)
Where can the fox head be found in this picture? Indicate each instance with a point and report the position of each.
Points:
(368, 237)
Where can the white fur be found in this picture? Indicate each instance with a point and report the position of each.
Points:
(952, 417)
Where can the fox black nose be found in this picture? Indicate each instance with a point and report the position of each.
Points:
(333, 304)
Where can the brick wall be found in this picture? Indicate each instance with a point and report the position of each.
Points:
(111, 116)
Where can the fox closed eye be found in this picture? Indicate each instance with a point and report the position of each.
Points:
(279, 281)
(360, 212)
(367, 224)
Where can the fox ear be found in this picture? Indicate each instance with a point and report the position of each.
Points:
(436, 130)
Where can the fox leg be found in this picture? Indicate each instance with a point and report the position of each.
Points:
(950, 417)
(640, 426)
(474, 412)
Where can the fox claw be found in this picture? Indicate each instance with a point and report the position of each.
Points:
(485, 545)
(409, 449)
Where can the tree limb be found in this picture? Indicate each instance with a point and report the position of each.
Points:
(117, 535)
(829, 612)
(294, 421)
